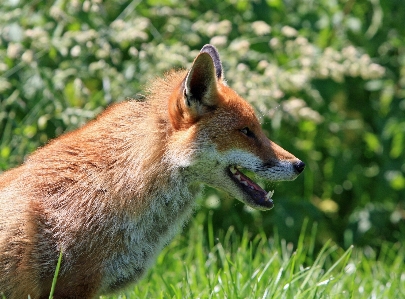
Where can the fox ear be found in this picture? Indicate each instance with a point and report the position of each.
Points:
(199, 90)
(200, 86)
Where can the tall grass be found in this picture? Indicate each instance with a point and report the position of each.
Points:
(202, 263)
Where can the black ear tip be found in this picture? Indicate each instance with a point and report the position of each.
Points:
(207, 48)
(213, 52)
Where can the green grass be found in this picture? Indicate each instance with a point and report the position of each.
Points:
(202, 263)
(55, 277)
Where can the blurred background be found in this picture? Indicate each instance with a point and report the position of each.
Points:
(327, 79)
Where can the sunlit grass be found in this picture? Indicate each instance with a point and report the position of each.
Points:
(229, 265)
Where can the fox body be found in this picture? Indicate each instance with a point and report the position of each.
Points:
(111, 194)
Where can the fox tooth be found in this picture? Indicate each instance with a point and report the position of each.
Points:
(270, 194)
(233, 169)
(244, 183)
(238, 177)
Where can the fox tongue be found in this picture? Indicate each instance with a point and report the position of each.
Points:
(262, 197)
(244, 180)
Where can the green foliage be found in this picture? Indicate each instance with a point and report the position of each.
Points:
(326, 77)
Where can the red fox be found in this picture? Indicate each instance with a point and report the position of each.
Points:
(111, 194)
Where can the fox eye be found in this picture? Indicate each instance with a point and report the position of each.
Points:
(246, 131)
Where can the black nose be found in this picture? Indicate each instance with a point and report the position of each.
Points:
(299, 166)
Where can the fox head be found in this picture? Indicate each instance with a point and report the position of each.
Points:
(225, 135)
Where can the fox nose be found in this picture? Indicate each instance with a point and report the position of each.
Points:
(299, 166)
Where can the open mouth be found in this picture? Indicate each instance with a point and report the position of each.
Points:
(258, 197)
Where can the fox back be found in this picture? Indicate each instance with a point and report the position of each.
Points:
(111, 194)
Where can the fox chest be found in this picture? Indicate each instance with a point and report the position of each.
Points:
(141, 239)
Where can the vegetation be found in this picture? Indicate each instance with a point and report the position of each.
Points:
(246, 266)
(327, 79)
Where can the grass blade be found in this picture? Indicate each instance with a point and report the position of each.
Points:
(55, 277)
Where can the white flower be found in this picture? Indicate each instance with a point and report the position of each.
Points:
(14, 50)
(75, 51)
(28, 56)
(224, 27)
(241, 46)
(219, 41)
(262, 65)
(375, 71)
(261, 28)
(274, 43)
(289, 31)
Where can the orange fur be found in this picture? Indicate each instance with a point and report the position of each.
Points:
(111, 194)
